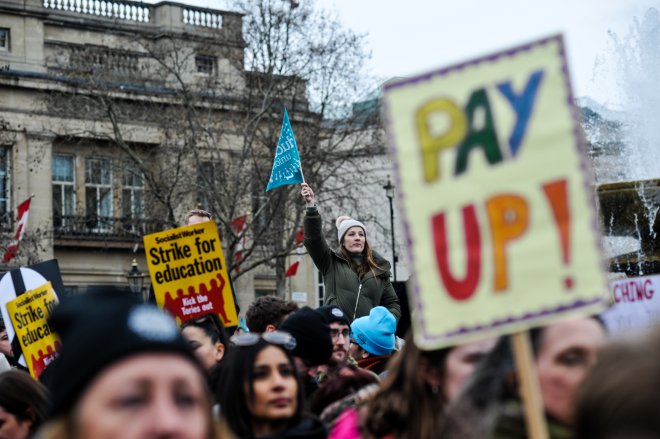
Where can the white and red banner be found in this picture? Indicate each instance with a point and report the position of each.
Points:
(21, 224)
(636, 307)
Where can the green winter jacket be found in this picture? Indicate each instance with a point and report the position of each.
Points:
(341, 281)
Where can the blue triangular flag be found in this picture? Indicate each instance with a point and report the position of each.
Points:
(286, 166)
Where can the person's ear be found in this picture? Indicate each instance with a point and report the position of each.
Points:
(219, 351)
(270, 328)
(30, 418)
(429, 375)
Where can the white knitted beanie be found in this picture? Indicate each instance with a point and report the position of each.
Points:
(346, 222)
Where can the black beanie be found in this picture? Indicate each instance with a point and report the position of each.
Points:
(98, 329)
(332, 314)
(312, 334)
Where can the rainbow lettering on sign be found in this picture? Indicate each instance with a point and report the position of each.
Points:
(473, 127)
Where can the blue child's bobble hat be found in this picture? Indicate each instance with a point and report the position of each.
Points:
(375, 332)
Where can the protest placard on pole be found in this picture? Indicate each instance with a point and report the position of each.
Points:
(189, 274)
(530, 388)
(495, 196)
(29, 314)
(17, 282)
(496, 201)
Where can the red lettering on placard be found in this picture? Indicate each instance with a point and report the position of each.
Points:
(633, 290)
(459, 289)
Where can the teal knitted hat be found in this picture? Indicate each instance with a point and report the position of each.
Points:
(375, 332)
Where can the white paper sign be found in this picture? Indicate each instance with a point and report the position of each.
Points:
(636, 308)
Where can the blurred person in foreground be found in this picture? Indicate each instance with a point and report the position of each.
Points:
(619, 399)
(411, 400)
(490, 405)
(124, 371)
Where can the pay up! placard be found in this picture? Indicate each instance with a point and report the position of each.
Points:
(29, 314)
(495, 197)
(188, 272)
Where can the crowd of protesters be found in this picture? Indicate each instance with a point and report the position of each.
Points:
(127, 370)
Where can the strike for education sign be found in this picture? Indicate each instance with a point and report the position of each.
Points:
(189, 274)
(29, 314)
(495, 197)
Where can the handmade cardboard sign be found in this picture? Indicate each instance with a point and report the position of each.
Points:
(636, 307)
(495, 197)
(188, 273)
(29, 314)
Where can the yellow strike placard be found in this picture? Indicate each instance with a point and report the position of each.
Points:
(29, 314)
(188, 272)
(496, 196)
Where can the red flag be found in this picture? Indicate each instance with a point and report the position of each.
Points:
(21, 224)
(300, 235)
(292, 270)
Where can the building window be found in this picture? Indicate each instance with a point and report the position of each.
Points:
(205, 64)
(64, 195)
(208, 180)
(98, 194)
(132, 197)
(4, 39)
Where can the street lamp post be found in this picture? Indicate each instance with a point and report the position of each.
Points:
(389, 192)
(135, 280)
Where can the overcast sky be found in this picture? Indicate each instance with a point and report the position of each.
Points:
(414, 36)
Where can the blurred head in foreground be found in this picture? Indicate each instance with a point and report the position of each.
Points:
(124, 371)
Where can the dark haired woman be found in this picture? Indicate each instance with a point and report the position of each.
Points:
(260, 394)
(23, 405)
(356, 278)
(207, 337)
(409, 403)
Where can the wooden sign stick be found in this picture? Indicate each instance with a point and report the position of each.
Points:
(529, 387)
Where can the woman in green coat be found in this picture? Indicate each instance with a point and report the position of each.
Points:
(356, 278)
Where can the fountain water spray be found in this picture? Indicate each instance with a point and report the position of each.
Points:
(626, 150)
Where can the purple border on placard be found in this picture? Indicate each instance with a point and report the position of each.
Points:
(584, 165)
(495, 324)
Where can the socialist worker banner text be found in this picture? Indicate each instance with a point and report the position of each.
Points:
(29, 314)
(188, 273)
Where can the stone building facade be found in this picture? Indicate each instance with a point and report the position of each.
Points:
(91, 204)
